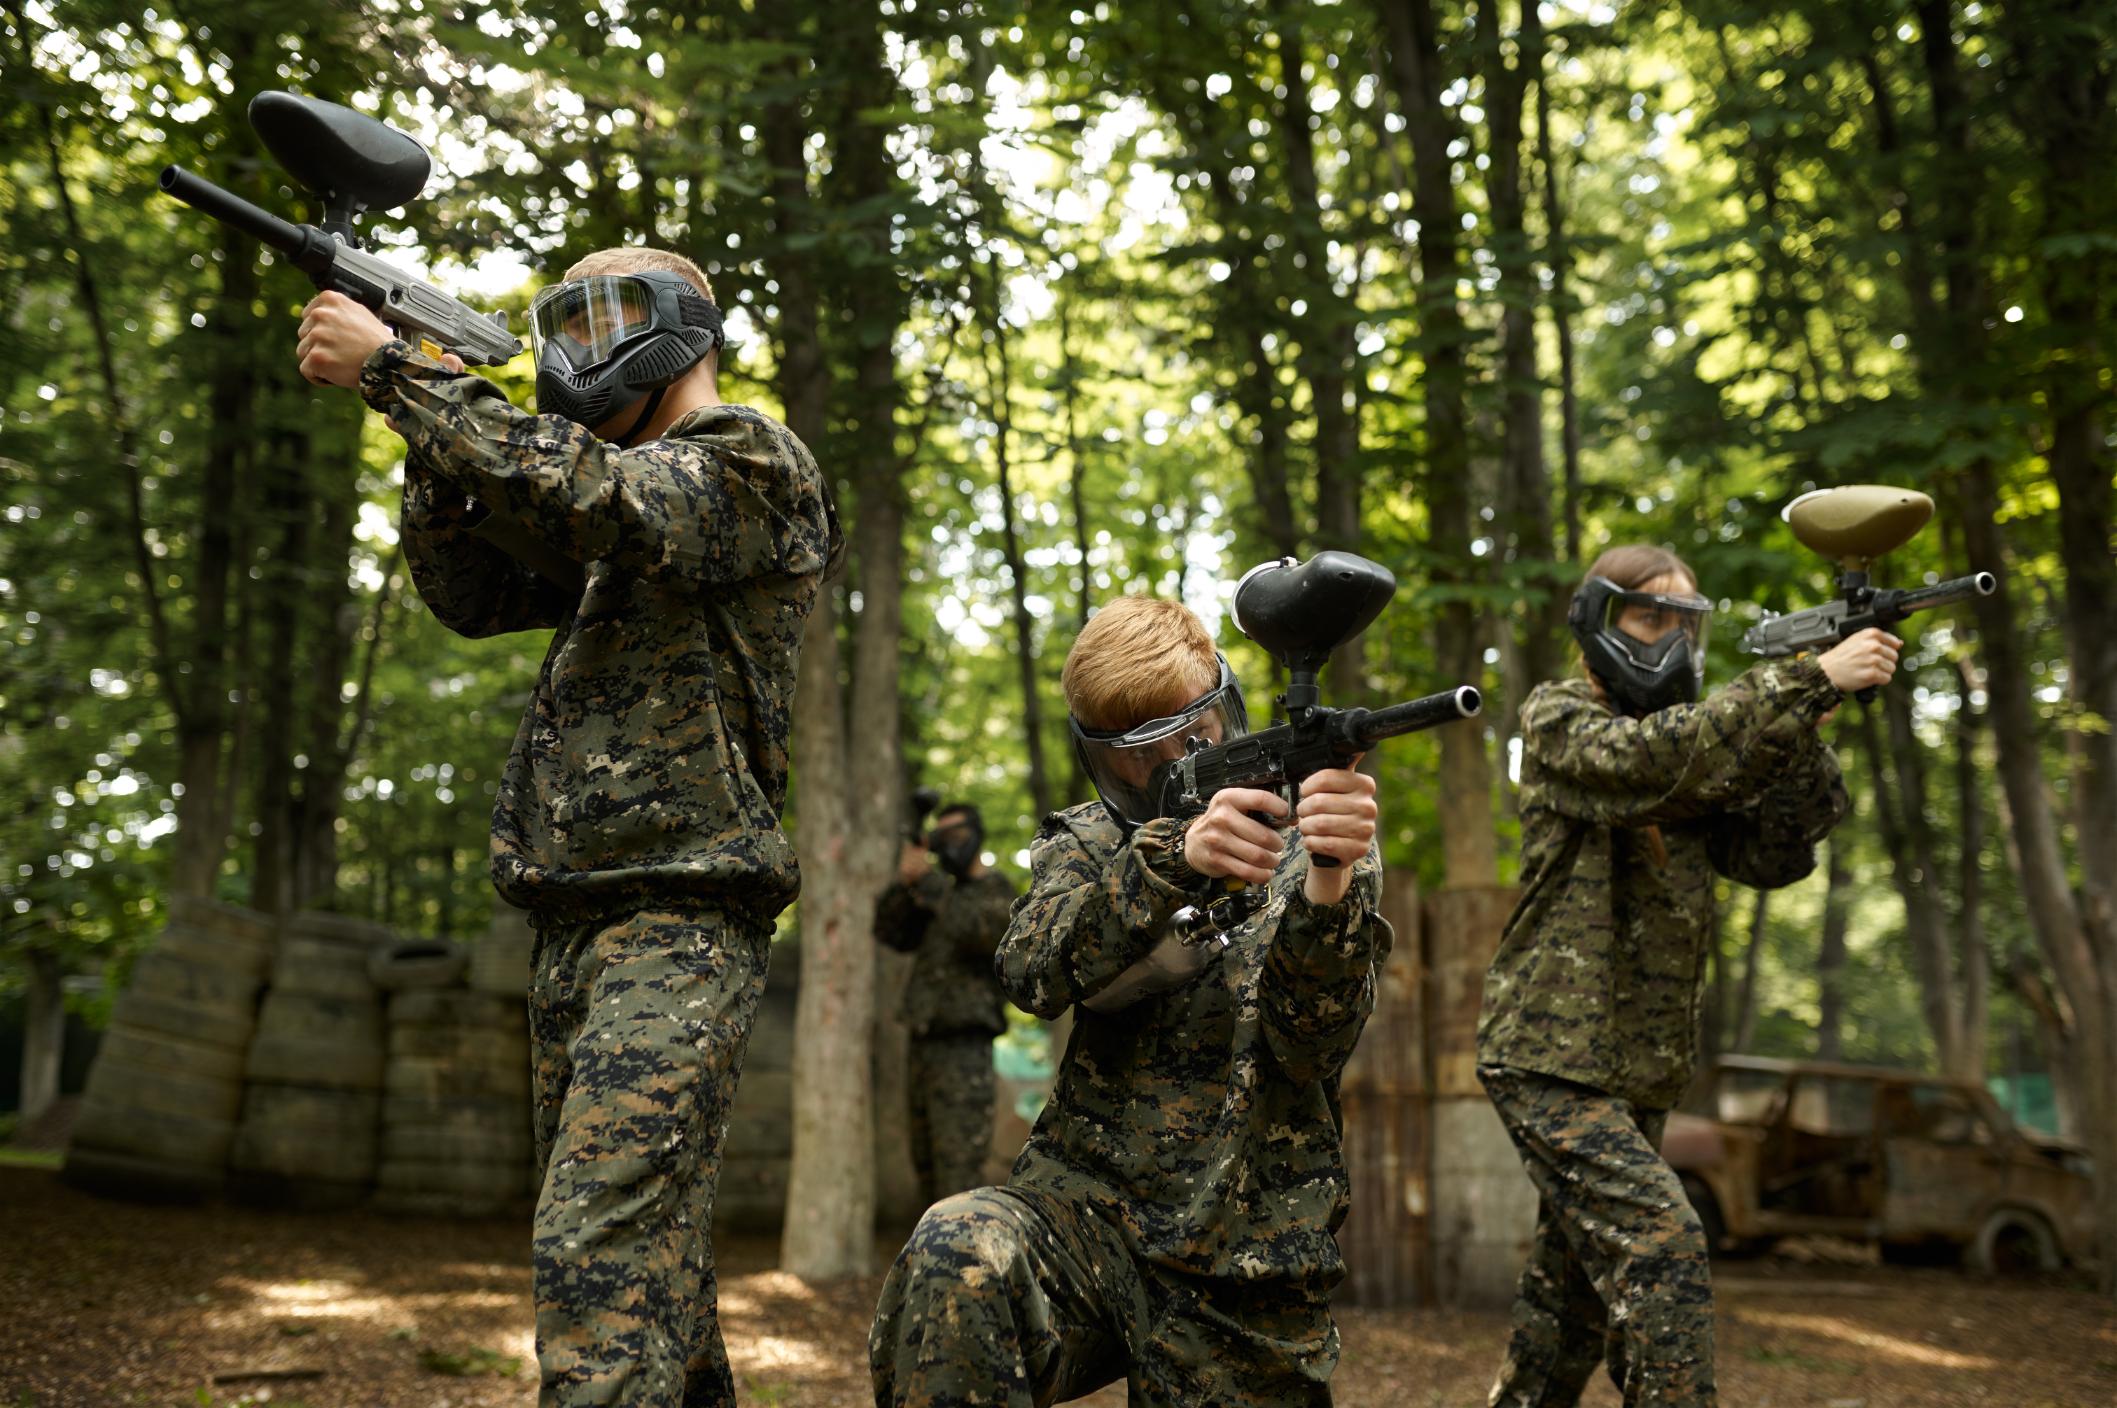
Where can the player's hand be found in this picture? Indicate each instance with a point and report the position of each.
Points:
(1862, 660)
(1227, 841)
(912, 864)
(1337, 817)
(337, 335)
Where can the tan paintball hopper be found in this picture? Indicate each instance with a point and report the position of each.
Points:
(1857, 523)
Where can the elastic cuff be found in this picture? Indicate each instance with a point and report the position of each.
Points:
(1814, 695)
(1327, 923)
(1159, 845)
(378, 374)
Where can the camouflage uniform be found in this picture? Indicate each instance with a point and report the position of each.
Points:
(952, 1008)
(1171, 1220)
(1590, 1026)
(637, 821)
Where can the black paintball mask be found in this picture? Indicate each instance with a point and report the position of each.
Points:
(958, 838)
(604, 341)
(1121, 762)
(1642, 676)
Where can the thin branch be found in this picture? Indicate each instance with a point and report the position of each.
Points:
(363, 697)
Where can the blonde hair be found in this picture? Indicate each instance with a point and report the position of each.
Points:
(1137, 659)
(640, 261)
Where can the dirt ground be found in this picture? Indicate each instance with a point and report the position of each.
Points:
(108, 1304)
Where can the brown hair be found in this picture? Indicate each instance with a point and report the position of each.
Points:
(640, 261)
(1636, 564)
(1137, 659)
(1631, 567)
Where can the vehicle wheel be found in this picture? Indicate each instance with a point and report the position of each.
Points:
(1717, 1242)
(2014, 1242)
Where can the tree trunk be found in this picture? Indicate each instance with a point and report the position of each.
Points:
(2078, 936)
(1076, 462)
(1973, 956)
(1713, 1029)
(1830, 957)
(1077, 787)
(1901, 812)
(288, 517)
(43, 1033)
(829, 1227)
(2067, 110)
(1558, 256)
(331, 621)
(1328, 334)
(1745, 1023)
(999, 392)
(1525, 489)
(1468, 844)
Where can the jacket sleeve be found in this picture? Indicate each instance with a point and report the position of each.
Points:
(1680, 763)
(471, 586)
(902, 915)
(713, 509)
(1773, 841)
(1318, 985)
(1084, 920)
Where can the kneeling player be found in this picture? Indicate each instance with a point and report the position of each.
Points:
(1170, 1221)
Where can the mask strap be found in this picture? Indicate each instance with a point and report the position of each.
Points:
(639, 422)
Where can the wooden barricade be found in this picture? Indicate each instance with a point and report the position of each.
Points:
(1383, 1094)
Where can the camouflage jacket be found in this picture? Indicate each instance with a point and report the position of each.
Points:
(954, 928)
(1202, 1122)
(1600, 974)
(651, 763)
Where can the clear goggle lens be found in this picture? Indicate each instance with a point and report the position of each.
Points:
(1649, 616)
(584, 321)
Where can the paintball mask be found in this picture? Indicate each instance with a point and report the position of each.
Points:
(1642, 676)
(1121, 762)
(958, 839)
(604, 341)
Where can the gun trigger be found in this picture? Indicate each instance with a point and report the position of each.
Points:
(432, 348)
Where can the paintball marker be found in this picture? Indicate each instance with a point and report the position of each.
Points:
(923, 802)
(1299, 613)
(1857, 524)
(353, 163)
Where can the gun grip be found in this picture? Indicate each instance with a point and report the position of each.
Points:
(1866, 696)
(1324, 862)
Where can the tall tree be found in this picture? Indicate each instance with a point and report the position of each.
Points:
(1525, 488)
(829, 1228)
(1419, 65)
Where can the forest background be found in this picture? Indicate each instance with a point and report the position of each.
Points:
(1077, 299)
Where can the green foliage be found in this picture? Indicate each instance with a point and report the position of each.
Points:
(1117, 189)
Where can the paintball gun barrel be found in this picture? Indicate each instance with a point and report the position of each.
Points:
(1857, 524)
(354, 163)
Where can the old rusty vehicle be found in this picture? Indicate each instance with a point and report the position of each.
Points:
(1927, 1168)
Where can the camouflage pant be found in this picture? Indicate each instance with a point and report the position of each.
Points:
(1618, 1268)
(1017, 1297)
(951, 1112)
(637, 1030)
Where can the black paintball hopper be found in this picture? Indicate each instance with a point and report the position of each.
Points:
(352, 161)
(1300, 614)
